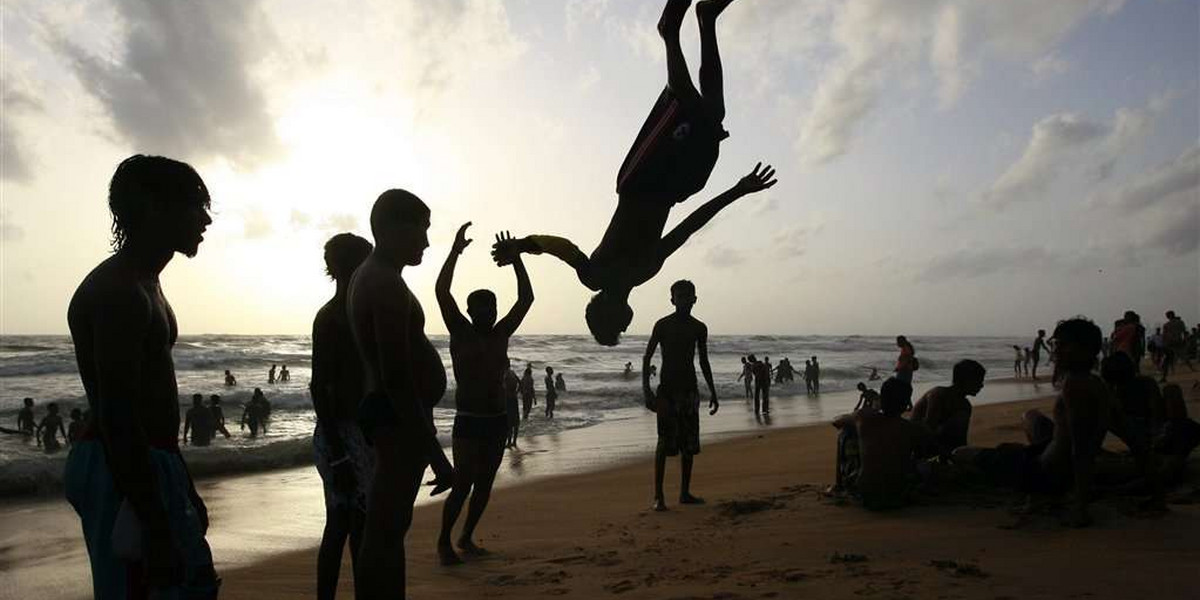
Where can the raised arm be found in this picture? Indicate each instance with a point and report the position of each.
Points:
(512, 321)
(759, 179)
(505, 251)
(706, 369)
(451, 315)
(651, 347)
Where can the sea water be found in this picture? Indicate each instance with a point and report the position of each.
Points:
(43, 368)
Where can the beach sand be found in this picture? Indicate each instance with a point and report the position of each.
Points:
(768, 532)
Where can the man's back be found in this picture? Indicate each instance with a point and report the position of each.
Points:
(337, 366)
(678, 335)
(946, 413)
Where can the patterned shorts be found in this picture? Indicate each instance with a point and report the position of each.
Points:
(362, 459)
(678, 421)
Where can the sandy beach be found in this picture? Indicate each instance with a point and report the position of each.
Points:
(768, 532)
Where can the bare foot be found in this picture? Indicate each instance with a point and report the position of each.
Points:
(672, 17)
(707, 11)
(659, 505)
(690, 499)
(447, 556)
(470, 549)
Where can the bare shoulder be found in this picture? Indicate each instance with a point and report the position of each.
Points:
(111, 289)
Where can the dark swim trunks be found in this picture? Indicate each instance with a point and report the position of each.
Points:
(493, 428)
(674, 152)
(678, 421)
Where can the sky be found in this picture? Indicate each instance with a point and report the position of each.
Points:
(945, 167)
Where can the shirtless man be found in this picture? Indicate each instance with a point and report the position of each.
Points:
(404, 379)
(1039, 344)
(47, 432)
(25, 420)
(479, 351)
(214, 405)
(677, 401)
(887, 443)
(199, 422)
(945, 410)
(1062, 450)
(528, 392)
(344, 459)
(747, 377)
(762, 386)
(123, 330)
(670, 160)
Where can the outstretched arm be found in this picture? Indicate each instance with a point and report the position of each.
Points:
(453, 317)
(509, 324)
(507, 250)
(759, 179)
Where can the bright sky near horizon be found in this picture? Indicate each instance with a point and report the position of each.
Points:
(945, 167)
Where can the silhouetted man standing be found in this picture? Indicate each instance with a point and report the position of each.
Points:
(128, 460)
(677, 402)
(404, 379)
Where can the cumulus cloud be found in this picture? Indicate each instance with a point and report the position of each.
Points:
(875, 39)
(181, 81)
(724, 257)
(15, 162)
(1067, 141)
(1176, 179)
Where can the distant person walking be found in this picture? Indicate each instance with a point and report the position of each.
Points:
(907, 362)
(808, 376)
(551, 393)
(677, 401)
(816, 376)
(747, 377)
(1019, 358)
(512, 405)
(762, 385)
(528, 392)
(1174, 336)
(1039, 344)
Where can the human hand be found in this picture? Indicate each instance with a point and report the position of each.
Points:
(506, 250)
(713, 406)
(460, 239)
(443, 476)
(650, 399)
(758, 180)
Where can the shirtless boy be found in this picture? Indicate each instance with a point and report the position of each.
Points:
(479, 350)
(670, 160)
(677, 401)
(124, 329)
(404, 378)
(945, 410)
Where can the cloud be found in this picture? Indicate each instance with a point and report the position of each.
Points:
(9, 231)
(981, 262)
(873, 40)
(340, 222)
(14, 158)
(1049, 66)
(724, 257)
(451, 39)
(257, 224)
(181, 84)
(1070, 141)
(1179, 232)
(1177, 177)
(793, 240)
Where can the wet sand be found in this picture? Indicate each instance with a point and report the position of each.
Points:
(572, 520)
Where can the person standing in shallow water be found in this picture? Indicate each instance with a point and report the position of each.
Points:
(25, 420)
(677, 401)
(528, 392)
(403, 379)
(551, 393)
(747, 377)
(670, 160)
(123, 330)
(479, 351)
(343, 457)
(271, 375)
(906, 363)
(512, 405)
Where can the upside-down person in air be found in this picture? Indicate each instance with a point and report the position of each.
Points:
(670, 160)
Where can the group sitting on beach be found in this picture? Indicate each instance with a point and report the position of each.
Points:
(884, 459)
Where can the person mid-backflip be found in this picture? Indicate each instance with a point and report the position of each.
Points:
(670, 160)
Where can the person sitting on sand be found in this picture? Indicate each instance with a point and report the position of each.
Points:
(946, 411)
(1138, 396)
(887, 443)
(512, 405)
(551, 393)
(677, 400)
(230, 380)
(124, 330)
(670, 160)
(199, 422)
(867, 398)
(75, 428)
(25, 420)
(47, 432)
(403, 379)
(1061, 451)
(344, 459)
(1178, 436)
(528, 392)
(218, 415)
(479, 353)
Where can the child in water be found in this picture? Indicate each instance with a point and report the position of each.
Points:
(47, 431)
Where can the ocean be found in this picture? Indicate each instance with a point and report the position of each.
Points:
(43, 368)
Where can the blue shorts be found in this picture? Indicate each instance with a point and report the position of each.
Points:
(91, 491)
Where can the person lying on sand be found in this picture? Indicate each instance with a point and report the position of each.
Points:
(887, 443)
(670, 160)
